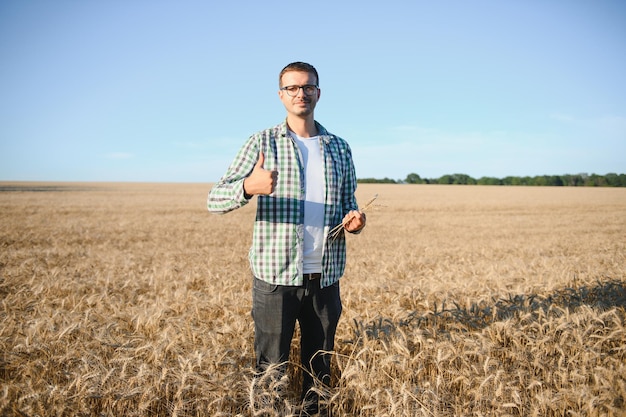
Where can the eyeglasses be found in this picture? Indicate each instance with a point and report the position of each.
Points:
(293, 90)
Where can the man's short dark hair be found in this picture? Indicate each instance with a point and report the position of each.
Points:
(298, 66)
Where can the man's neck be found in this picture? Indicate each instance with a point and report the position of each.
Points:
(303, 127)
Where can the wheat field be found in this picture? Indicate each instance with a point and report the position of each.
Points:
(133, 300)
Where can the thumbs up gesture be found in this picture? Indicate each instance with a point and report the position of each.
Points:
(260, 180)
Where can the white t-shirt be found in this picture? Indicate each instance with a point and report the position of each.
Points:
(314, 202)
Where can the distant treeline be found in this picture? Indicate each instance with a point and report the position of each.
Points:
(578, 180)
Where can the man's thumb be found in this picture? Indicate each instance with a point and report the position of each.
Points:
(261, 161)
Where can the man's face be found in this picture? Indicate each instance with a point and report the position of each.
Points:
(301, 104)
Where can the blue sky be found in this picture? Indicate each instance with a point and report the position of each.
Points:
(169, 91)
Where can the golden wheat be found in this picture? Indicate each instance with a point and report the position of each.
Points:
(132, 300)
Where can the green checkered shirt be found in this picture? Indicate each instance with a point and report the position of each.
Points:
(276, 255)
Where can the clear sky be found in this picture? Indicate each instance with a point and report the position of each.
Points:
(168, 91)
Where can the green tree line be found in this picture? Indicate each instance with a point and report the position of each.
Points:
(577, 180)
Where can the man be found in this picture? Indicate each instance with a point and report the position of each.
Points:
(305, 181)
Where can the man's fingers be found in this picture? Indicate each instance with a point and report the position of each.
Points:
(261, 161)
(349, 217)
(354, 220)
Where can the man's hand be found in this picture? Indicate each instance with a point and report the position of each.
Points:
(260, 180)
(354, 221)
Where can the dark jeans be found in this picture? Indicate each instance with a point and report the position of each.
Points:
(275, 309)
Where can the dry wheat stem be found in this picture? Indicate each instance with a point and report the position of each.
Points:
(335, 231)
(421, 404)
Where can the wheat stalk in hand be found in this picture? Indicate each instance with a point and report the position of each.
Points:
(336, 231)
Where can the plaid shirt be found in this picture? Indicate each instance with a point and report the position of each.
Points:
(277, 251)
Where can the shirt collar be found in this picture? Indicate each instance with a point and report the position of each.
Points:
(324, 135)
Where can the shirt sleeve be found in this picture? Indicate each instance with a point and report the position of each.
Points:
(349, 187)
(228, 193)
